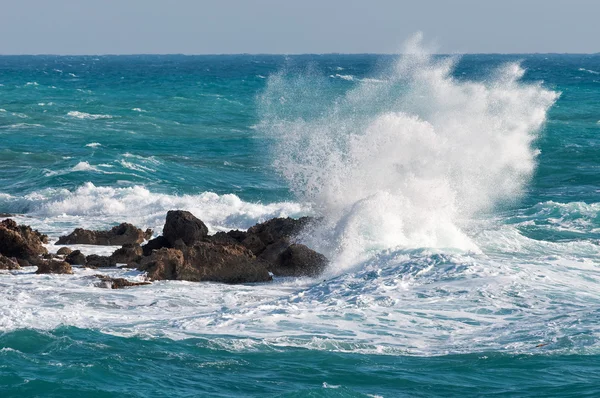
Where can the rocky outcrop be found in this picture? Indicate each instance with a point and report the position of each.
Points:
(298, 260)
(129, 254)
(162, 264)
(275, 230)
(21, 242)
(119, 235)
(64, 251)
(117, 283)
(154, 244)
(96, 261)
(182, 225)
(76, 257)
(8, 263)
(54, 267)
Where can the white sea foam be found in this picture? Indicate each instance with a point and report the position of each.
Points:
(93, 144)
(84, 166)
(343, 77)
(55, 211)
(424, 154)
(589, 71)
(84, 115)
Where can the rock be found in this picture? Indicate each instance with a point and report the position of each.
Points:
(183, 225)
(207, 261)
(148, 234)
(273, 251)
(64, 251)
(238, 235)
(128, 254)
(8, 263)
(21, 242)
(277, 228)
(117, 283)
(298, 260)
(162, 264)
(54, 267)
(76, 257)
(223, 238)
(254, 243)
(119, 235)
(96, 261)
(154, 244)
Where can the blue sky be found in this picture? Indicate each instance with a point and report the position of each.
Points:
(294, 26)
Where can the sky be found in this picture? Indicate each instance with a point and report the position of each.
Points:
(296, 26)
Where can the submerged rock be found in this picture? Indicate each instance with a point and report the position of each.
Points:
(118, 235)
(117, 283)
(54, 267)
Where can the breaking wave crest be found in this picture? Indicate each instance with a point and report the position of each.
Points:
(408, 162)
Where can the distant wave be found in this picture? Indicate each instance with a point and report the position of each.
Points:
(94, 144)
(589, 71)
(88, 116)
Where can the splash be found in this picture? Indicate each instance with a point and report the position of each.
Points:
(407, 161)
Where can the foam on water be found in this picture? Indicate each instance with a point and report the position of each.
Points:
(407, 163)
(55, 211)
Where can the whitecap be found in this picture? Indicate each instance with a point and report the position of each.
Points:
(87, 116)
(93, 144)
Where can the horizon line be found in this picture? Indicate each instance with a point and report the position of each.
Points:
(283, 54)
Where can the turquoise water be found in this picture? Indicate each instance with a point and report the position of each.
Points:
(460, 206)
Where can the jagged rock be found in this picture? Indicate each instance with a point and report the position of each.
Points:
(238, 235)
(148, 234)
(277, 228)
(162, 264)
(299, 260)
(207, 261)
(76, 257)
(8, 263)
(128, 254)
(273, 251)
(119, 235)
(155, 244)
(21, 242)
(117, 283)
(223, 238)
(64, 251)
(54, 267)
(183, 225)
(96, 261)
(254, 243)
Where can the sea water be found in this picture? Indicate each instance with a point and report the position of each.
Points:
(459, 203)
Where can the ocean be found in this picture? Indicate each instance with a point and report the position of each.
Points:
(459, 204)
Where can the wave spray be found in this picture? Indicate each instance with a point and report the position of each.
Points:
(407, 159)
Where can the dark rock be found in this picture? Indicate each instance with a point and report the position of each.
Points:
(20, 241)
(8, 263)
(254, 243)
(299, 260)
(273, 251)
(76, 257)
(183, 225)
(64, 251)
(96, 261)
(277, 228)
(54, 267)
(162, 264)
(117, 283)
(148, 234)
(223, 238)
(119, 235)
(130, 253)
(207, 261)
(238, 235)
(155, 244)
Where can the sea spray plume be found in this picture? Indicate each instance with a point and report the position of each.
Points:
(407, 162)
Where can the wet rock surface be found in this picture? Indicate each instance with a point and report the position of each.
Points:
(119, 235)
